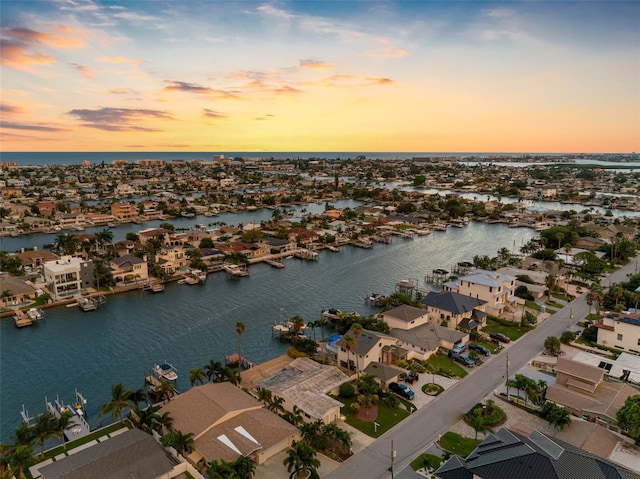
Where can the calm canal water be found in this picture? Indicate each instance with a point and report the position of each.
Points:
(189, 325)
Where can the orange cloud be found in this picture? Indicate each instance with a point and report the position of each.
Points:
(85, 71)
(187, 87)
(119, 60)
(351, 81)
(387, 52)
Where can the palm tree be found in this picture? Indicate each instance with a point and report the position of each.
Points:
(63, 423)
(20, 459)
(322, 323)
(162, 422)
(297, 323)
(138, 396)
(245, 467)
(224, 470)
(214, 370)
(144, 419)
(475, 419)
(312, 432)
(276, 405)
(104, 237)
(183, 443)
(44, 428)
(23, 436)
(197, 375)
(120, 399)
(300, 458)
(240, 329)
(264, 395)
(166, 390)
(357, 329)
(349, 343)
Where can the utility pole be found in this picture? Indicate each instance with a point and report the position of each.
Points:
(507, 383)
(393, 456)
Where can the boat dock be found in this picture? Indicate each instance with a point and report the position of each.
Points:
(386, 239)
(21, 319)
(79, 426)
(306, 254)
(239, 360)
(437, 276)
(376, 299)
(275, 264)
(363, 243)
(236, 270)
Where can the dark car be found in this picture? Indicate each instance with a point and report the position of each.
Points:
(480, 348)
(464, 359)
(402, 390)
(500, 337)
(411, 377)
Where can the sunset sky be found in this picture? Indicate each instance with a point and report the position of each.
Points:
(325, 75)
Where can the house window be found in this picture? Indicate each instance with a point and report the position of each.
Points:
(619, 337)
(491, 289)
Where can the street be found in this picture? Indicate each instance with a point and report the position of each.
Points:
(415, 434)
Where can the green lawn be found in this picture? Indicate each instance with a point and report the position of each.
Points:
(512, 331)
(532, 305)
(83, 440)
(428, 460)
(553, 303)
(561, 297)
(447, 364)
(387, 417)
(457, 444)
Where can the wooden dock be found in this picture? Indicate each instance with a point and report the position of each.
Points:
(240, 360)
(275, 264)
(21, 319)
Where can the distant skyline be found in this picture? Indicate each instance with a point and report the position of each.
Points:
(395, 76)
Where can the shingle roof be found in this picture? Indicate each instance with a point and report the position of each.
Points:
(580, 370)
(405, 313)
(132, 454)
(451, 301)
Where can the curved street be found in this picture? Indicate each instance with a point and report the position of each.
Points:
(415, 434)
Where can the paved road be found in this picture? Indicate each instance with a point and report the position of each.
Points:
(416, 433)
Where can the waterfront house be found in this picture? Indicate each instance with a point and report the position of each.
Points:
(620, 330)
(495, 288)
(16, 211)
(34, 258)
(17, 291)
(7, 228)
(46, 208)
(164, 236)
(307, 384)
(455, 310)
(37, 223)
(171, 259)
(128, 453)
(125, 269)
(70, 220)
(368, 346)
(580, 388)
(99, 219)
(405, 317)
(302, 235)
(227, 423)
(124, 211)
(125, 247)
(68, 276)
(11, 192)
(508, 454)
(278, 245)
(250, 250)
(423, 341)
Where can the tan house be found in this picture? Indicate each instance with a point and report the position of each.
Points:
(424, 341)
(581, 390)
(368, 346)
(165, 236)
(495, 288)
(620, 330)
(227, 423)
(11, 192)
(455, 310)
(405, 317)
(34, 258)
(307, 384)
(128, 268)
(303, 235)
(16, 292)
(124, 211)
(171, 259)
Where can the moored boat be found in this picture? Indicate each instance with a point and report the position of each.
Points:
(166, 371)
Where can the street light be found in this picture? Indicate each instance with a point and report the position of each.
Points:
(570, 316)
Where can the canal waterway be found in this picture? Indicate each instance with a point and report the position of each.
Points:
(190, 325)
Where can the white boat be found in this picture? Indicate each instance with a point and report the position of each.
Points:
(335, 249)
(166, 371)
(35, 314)
(86, 304)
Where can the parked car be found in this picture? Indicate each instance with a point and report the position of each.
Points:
(464, 359)
(480, 348)
(411, 377)
(459, 347)
(500, 337)
(402, 390)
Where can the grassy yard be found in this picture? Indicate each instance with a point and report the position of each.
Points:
(48, 454)
(426, 460)
(447, 364)
(387, 418)
(561, 297)
(513, 331)
(553, 303)
(457, 444)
